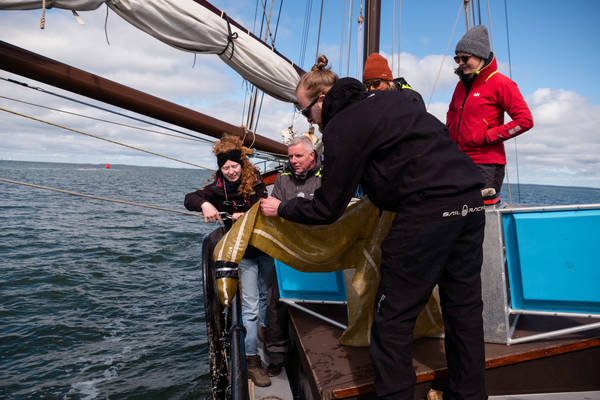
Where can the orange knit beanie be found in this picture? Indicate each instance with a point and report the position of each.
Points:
(376, 67)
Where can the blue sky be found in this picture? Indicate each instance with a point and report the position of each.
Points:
(553, 50)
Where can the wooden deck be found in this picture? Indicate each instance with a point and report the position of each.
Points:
(328, 370)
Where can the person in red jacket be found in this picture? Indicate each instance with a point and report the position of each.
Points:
(475, 118)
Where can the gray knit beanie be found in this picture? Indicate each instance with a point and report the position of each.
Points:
(475, 42)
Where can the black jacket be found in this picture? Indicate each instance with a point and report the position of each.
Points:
(231, 203)
(387, 142)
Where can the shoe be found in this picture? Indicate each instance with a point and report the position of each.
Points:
(256, 371)
(274, 369)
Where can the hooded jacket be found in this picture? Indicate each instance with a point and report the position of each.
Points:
(475, 117)
(387, 142)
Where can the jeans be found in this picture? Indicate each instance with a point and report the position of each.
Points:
(256, 275)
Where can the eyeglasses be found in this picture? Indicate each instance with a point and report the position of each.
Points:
(373, 83)
(306, 111)
(464, 59)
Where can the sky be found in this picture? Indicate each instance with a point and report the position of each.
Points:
(551, 51)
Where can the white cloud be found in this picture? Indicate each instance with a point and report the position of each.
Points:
(563, 147)
(432, 76)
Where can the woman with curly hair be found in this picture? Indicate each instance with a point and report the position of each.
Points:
(236, 187)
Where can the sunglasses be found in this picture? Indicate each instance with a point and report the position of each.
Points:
(306, 111)
(373, 83)
(464, 59)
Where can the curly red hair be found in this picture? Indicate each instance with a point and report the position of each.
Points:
(250, 174)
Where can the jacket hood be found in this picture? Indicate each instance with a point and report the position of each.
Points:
(343, 93)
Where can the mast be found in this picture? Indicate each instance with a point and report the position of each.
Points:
(34, 66)
(372, 22)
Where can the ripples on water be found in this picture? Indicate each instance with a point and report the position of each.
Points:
(100, 300)
(103, 300)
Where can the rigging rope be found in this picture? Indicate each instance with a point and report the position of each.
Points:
(267, 31)
(319, 34)
(444, 58)
(106, 120)
(277, 25)
(106, 26)
(393, 31)
(262, 95)
(490, 22)
(399, 32)
(98, 137)
(341, 53)
(514, 139)
(43, 19)
(359, 43)
(40, 89)
(130, 203)
(305, 30)
(466, 7)
(349, 39)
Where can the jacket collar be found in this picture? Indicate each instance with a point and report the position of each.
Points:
(307, 174)
(488, 69)
(483, 74)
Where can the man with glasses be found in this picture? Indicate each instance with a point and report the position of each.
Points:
(475, 117)
(404, 160)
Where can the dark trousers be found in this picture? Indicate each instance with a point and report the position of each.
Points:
(493, 174)
(437, 241)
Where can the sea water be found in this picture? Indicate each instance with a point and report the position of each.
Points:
(100, 300)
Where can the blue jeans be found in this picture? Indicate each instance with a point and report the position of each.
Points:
(256, 275)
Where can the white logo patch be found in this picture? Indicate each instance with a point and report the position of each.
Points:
(465, 210)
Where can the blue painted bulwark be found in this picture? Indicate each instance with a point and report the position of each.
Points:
(310, 286)
(553, 260)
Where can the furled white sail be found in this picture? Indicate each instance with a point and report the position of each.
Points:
(188, 25)
(77, 5)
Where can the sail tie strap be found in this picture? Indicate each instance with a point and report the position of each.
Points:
(230, 38)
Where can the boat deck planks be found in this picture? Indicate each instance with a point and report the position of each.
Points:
(333, 371)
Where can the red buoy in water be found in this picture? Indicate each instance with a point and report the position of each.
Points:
(107, 166)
